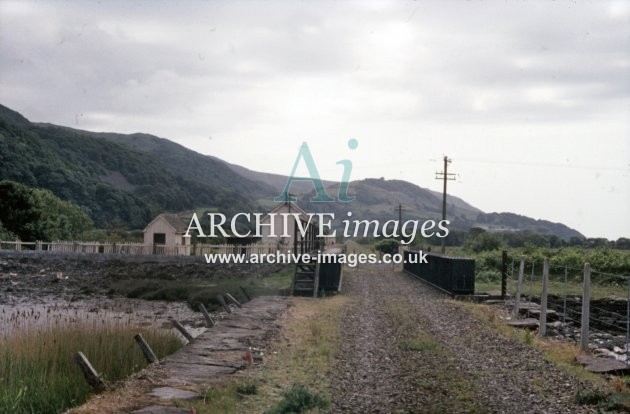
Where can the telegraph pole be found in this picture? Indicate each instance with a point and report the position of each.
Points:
(400, 209)
(445, 176)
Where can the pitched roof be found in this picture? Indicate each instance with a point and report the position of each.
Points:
(294, 208)
(178, 223)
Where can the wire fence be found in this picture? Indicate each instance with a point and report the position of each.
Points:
(583, 305)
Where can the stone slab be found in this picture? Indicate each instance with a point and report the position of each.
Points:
(173, 393)
(528, 323)
(602, 365)
(160, 409)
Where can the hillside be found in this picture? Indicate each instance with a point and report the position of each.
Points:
(116, 185)
(275, 181)
(190, 165)
(124, 180)
(378, 199)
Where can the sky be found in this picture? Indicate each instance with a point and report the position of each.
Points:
(529, 99)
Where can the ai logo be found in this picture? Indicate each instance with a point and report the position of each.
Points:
(322, 195)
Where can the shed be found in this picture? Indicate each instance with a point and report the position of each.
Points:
(166, 234)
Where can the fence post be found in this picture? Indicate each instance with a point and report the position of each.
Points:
(90, 374)
(564, 306)
(521, 271)
(586, 301)
(182, 330)
(542, 324)
(146, 349)
(504, 259)
(511, 282)
(206, 315)
(221, 300)
(233, 300)
(627, 346)
(245, 293)
(531, 289)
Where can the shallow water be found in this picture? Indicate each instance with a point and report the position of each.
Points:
(19, 315)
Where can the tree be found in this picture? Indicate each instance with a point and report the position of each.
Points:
(622, 243)
(6, 234)
(17, 211)
(479, 240)
(387, 246)
(59, 220)
(37, 214)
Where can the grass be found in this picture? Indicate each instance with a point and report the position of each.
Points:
(421, 342)
(247, 388)
(430, 364)
(38, 374)
(561, 354)
(195, 291)
(299, 399)
(556, 287)
(608, 396)
(295, 373)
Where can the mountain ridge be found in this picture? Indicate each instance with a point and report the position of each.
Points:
(147, 174)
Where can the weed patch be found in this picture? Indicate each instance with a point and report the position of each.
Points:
(297, 400)
(420, 343)
(303, 354)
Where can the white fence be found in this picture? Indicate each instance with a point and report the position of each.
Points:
(136, 248)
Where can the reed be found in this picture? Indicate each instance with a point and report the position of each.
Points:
(38, 374)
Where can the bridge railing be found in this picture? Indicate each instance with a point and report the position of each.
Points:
(454, 275)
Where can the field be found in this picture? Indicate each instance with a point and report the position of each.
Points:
(609, 274)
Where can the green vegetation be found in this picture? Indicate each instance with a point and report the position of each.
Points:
(428, 356)
(389, 246)
(297, 400)
(115, 185)
(610, 269)
(6, 234)
(587, 397)
(35, 214)
(195, 291)
(123, 181)
(610, 266)
(615, 399)
(247, 388)
(38, 374)
(477, 239)
(295, 375)
(561, 354)
(609, 395)
(421, 342)
(194, 167)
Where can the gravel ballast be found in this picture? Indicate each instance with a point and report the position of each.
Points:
(407, 348)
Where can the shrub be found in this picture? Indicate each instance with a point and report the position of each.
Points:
(247, 388)
(488, 276)
(298, 400)
(389, 246)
